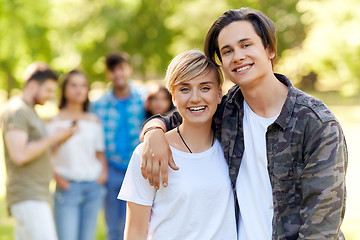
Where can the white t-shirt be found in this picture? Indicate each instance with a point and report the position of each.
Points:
(198, 202)
(76, 158)
(253, 188)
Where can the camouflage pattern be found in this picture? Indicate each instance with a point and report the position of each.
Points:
(307, 161)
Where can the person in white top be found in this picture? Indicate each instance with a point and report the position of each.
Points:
(79, 164)
(198, 203)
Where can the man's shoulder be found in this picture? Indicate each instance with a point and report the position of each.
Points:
(138, 92)
(15, 106)
(307, 102)
(103, 100)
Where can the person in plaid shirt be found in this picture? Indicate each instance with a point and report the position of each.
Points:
(286, 151)
(121, 112)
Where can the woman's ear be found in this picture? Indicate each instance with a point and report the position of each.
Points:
(173, 98)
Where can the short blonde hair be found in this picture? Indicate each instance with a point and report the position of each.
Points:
(189, 65)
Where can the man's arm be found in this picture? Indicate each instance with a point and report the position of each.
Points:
(137, 220)
(323, 183)
(22, 151)
(156, 155)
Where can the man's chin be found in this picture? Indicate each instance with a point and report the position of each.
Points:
(121, 87)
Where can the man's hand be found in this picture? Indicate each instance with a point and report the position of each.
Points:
(155, 158)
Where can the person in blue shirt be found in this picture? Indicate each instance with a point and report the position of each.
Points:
(121, 112)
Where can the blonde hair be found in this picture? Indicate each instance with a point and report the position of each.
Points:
(189, 65)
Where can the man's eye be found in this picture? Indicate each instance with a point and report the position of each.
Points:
(227, 52)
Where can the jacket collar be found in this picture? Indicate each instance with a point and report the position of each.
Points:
(236, 97)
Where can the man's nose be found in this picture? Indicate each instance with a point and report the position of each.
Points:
(238, 55)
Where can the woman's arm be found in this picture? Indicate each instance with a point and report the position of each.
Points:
(103, 175)
(137, 221)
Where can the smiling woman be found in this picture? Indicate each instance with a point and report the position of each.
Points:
(195, 83)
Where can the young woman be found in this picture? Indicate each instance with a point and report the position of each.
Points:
(198, 202)
(79, 164)
(159, 101)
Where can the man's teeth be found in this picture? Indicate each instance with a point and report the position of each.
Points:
(197, 109)
(243, 68)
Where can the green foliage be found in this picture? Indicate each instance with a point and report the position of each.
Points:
(78, 33)
(315, 38)
(331, 50)
(22, 38)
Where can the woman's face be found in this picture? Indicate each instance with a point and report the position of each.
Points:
(197, 99)
(159, 103)
(76, 90)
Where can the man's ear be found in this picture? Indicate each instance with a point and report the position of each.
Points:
(220, 96)
(270, 53)
(32, 84)
(129, 70)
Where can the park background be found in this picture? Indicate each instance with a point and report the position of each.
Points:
(318, 49)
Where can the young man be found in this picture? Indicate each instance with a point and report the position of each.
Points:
(286, 152)
(26, 148)
(121, 112)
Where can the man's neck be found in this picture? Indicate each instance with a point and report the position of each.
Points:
(267, 99)
(121, 92)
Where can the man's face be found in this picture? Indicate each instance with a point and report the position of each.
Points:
(245, 61)
(119, 75)
(44, 91)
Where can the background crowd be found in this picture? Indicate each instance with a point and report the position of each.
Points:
(89, 144)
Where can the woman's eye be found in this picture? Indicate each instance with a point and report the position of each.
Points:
(205, 89)
(184, 90)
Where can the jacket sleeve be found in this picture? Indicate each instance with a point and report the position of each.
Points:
(323, 183)
(171, 121)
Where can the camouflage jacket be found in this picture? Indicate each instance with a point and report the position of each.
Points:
(307, 160)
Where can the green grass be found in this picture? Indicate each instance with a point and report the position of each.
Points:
(347, 110)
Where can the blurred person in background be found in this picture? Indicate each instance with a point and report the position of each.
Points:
(121, 112)
(27, 156)
(79, 164)
(158, 101)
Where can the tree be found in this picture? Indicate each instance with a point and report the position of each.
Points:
(23, 37)
(331, 49)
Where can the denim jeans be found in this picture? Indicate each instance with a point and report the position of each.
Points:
(34, 220)
(76, 210)
(115, 209)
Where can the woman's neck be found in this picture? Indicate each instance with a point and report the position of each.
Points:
(197, 137)
(72, 111)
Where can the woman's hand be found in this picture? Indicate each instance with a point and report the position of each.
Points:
(61, 182)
